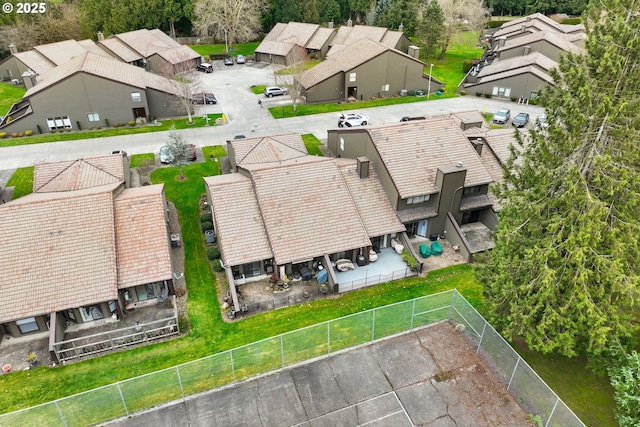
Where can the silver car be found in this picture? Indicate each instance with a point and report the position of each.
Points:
(270, 91)
(166, 155)
(502, 116)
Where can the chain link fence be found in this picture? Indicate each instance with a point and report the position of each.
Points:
(127, 397)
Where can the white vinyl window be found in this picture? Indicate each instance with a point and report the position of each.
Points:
(385, 88)
(501, 91)
(418, 199)
(341, 144)
(56, 123)
(93, 117)
(352, 77)
(136, 97)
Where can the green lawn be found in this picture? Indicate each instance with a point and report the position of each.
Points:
(179, 123)
(9, 95)
(246, 49)
(312, 144)
(449, 69)
(22, 180)
(137, 160)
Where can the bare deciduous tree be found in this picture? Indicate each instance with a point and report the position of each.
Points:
(290, 76)
(239, 19)
(461, 16)
(184, 81)
(179, 149)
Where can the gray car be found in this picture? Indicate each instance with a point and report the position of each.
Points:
(502, 116)
(166, 155)
(270, 91)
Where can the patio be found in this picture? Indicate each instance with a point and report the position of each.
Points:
(13, 350)
(389, 266)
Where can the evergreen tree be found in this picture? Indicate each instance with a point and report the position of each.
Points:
(329, 11)
(310, 13)
(430, 29)
(564, 271)
(393, 13)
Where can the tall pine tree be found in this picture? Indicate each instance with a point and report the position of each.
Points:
(564, 271)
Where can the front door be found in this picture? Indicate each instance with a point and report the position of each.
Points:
(422, 228)
(352, 92)
(139, 112)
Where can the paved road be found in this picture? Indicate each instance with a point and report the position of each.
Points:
(231, 86)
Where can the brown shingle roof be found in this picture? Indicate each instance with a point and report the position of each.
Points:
(177, 55)
(238, 221)
(283, 37)
(550, 37)
(417, 214)
(375, 210)
(534, 58)
(319, 39)
(475, 202)
(106, 68)
(146, 42)
(58, 252)
(70, 175)
(347, 36)
(142, 239)
(120, 49)
(307, 210)
(35, 61)
(413, 151)
(275, 32)
(60, 52)
(268, 149)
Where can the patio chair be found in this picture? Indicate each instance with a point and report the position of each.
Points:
(436, 248)
(425, 252)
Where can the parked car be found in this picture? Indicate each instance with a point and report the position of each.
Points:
(502, 116)
(204, 98)
(240, 59)
(228, 60)
(166, 155)
(239, 137)
(193, 154)
(270, 91)
(205, 67)
(352, 119)
(520, 120)
(542, 121)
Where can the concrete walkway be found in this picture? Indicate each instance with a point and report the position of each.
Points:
(231, 85)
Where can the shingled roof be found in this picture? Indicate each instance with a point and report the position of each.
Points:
(347, 36)
(413, 151)
(107, 68)
(268, 149)
(142, 237)
(78, 174)
(58, 252)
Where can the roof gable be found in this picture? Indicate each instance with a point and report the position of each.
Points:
(78, 174)
(268, 149)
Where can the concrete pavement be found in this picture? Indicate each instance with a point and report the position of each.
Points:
(231, 86)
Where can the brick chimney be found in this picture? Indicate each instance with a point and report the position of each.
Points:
(13, 49)
(401, 28)
(330, 25)
(100, 36)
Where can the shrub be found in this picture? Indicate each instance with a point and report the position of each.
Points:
(98, 127)
(3, 135)
(90, 128)
(206, 226)
(39, 129)
(495, 23)
(53, 131)
(533, 101)
(571, 21)
(205, 217)
(410, 260)
(217, 266)
(106, 122)
(132, 122)
(14, 134)
(213, 253)
(115, 125)
(28, 132)
(466, 66)
(78, 124)
(463, 92)
(487, 95)
(20, 134)
(124, 124)
(478, 93)
(514, 99)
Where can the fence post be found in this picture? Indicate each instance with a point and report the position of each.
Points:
(515, 368)
(123, 402)
(453, 300)
(373, 325)
(552, 411)
(282, 350)
(64, 422)
(233, 368)
(180, 382)
(329, 337)
(413, 312)
(481, 336)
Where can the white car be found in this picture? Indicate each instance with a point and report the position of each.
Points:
(542, 121)
(352, 119)
(166, 155)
